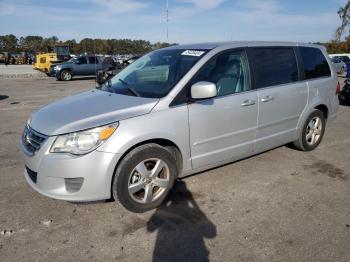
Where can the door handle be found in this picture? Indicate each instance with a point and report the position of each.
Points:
(267, 99)
(248, 103)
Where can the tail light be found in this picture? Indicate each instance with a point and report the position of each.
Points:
(337, 91)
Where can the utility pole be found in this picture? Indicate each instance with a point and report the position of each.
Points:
(167, 20)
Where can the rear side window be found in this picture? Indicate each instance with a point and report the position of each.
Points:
(315, 64)
(274, 66)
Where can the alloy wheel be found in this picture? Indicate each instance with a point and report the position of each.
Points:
(149, 180)
(313, 131)
(66, 76)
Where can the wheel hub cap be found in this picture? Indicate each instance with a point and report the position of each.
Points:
(313, 131)
(149, 180)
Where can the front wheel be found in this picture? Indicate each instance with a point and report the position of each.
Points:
(144, 178)
(313, 131)
(66, 75)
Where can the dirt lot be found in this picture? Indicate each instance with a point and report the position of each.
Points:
(282, 205)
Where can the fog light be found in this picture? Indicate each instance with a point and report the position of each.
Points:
(73, 184)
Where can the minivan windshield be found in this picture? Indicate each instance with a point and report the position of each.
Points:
(154, 74)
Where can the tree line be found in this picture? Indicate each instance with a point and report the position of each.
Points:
(36, 44)
(334, 47)
(337, 46)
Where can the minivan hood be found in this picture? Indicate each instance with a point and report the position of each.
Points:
(87, 110)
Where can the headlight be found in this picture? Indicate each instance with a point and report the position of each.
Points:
(83, 142)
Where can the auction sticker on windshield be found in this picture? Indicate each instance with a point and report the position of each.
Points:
(193, 52)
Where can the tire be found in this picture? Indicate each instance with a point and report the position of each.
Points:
(133, 183)
(66, 75)
(312, 133)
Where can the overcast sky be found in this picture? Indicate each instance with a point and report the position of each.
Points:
(189, 20)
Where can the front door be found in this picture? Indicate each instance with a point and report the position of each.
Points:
(82, 67)
(223, 128)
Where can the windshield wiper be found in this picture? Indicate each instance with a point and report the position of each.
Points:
(129, 87)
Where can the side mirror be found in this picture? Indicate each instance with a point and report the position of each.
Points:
(77, 62)
(203, 90)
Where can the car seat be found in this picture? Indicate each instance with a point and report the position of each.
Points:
(229, 80)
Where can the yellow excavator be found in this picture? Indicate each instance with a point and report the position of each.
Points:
(59, 54)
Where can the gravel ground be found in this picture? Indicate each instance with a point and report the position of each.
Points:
(282, 205)
(20, 71)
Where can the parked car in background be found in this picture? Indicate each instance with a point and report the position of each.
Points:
(178, 111)
(344, 58)
(77, 66)
(339, 65)
(110, 67)
(132, 59)
(344, 95)
(339, 54)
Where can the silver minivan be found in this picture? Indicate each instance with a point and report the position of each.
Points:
(177, 111)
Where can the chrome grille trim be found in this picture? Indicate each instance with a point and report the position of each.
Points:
(32, 140)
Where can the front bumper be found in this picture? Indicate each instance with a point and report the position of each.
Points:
(53, 174)
(52, 72)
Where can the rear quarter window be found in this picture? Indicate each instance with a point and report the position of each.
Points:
(314, 62)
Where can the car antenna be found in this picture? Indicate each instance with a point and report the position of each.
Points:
(167, 20)
(96, 85)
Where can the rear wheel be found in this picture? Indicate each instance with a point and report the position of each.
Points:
(313, 131)
(66, 75)
(144, 178)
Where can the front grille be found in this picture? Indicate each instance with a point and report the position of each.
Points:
(33, 175)
(32, 140)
